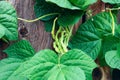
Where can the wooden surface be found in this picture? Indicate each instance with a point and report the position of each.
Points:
(34, 32)
(39, 38)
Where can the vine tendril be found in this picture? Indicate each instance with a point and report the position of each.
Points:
(41, 17)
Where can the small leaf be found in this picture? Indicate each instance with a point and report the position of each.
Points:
(63, 4)
(46, 65)
(21, 49)
(8, 20)
(112, 59)
(42, 8)
(69, 17)
(111, 1)
(82, 4)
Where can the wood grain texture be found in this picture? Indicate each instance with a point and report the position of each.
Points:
(34, 32)
(97, 7)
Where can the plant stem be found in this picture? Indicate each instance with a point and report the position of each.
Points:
(53, 28)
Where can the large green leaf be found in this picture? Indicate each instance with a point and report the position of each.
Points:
(17, 54)
(66, 17)
(8, 67)
(8, 20)
(42, 8)
(64, 4)
(46, 65)
(78, 58)
(82, 4)
(111, 1)
(69, 17)
(21, 49)
(93, 34)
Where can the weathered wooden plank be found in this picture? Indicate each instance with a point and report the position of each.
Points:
(35, 33)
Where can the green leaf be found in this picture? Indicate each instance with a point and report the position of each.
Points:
(42, 8)
(46, 65)
(78, 58)
(94, 34)
(8, 67)
(8, 20)
(48, 25)
(69, 17)
(18, 53)
(82, 4)
(112, 59)
(21, 49)
(109, 43)
(66, 17)
(111, 1)
(64, 4)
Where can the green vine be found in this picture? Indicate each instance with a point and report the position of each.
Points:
(39, 18)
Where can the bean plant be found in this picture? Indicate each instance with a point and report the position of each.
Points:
(74, 55)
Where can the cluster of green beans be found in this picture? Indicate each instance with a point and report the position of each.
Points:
(61, 38)
(113, 23)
